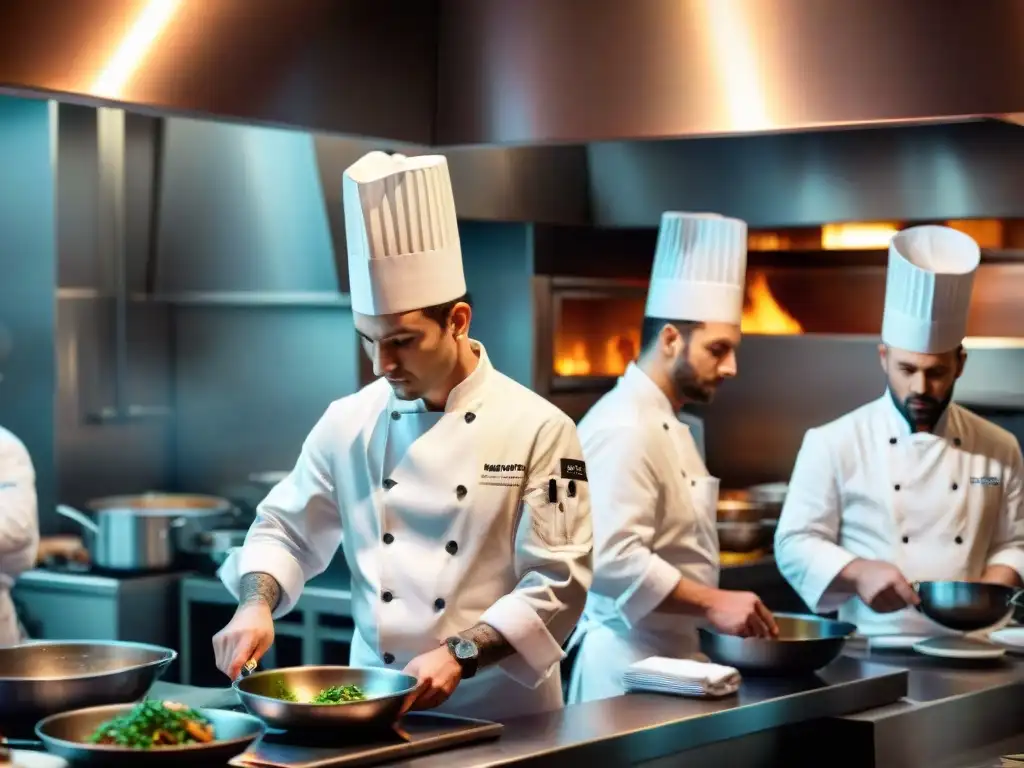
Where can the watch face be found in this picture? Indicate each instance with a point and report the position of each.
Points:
(465, 650)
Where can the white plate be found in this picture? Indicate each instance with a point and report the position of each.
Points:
(1012, 638)
(26, 758)
(959, 648)
(895, 642)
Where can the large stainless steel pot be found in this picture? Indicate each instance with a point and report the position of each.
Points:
(804, 644)
(142, 533)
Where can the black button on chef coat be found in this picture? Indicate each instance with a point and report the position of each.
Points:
(387, 597)
(461, 491)
(451, 547)
(439, 604)
(470, 417)
(389, 658)
(906, 539)
(959, 539)
(389, 484)
(388, 538)
(396, 415)
(892, 441)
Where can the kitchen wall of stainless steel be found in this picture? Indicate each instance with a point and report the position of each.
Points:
(28, 265)
(788, 384)
(883, 174)
(526, 72)
(113, 393)
(361, 67)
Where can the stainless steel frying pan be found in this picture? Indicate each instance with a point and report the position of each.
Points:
(385, 689)
(67, 735)
(966, 606)
(42, 678)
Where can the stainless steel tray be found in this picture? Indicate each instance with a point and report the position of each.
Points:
(416, 735)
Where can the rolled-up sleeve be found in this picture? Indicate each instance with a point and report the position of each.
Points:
(19, 515)
(297, 528)
(552, 557)
(806, 540)
(626, 492)
(1007, 546)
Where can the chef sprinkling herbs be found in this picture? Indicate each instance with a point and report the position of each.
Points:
(459, 499)
(656, 551)
(911, 487)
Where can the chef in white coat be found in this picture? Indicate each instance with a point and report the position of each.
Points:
(656, 556)
(910, 487)
(19, 528)
(459, 498)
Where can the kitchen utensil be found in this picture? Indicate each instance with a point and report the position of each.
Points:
(966, 606)
(804, 644)
(41, 678)
(385, 691)
(959, 648)
(142, 533)
(67, 735)
(742, 536)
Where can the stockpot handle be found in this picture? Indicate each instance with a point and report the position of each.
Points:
(79, 517)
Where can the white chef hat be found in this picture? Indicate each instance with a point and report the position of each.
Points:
(402, 234)
(928, 288)
(700, 266)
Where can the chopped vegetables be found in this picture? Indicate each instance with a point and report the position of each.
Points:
(153, 724)
(333, 694)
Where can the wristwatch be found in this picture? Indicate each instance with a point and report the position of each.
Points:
(465, 652)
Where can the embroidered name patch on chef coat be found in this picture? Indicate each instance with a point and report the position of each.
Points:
(573, 469)
(984, 481)
(502, 474)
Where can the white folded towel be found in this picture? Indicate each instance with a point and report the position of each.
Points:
(682, 677)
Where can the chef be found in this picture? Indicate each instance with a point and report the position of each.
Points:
(459, 498)
(654, 503)
(910, 487)
(19, 528)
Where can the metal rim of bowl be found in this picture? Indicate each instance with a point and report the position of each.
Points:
(114, 709)
(800, 616)
(236, 685)
(170, 654)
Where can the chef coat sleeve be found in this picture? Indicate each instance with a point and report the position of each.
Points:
(1008, 543)
(806, 539)
(626, 493)
(297, 528)
(19, 517)
(551, 555)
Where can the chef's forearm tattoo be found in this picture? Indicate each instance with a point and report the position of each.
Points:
(259, 588)
(493, 647)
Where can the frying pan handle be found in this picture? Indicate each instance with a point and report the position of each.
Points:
(916, 586)
(1014, 600)
(248, 668)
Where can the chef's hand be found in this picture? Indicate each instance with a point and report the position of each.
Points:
(741, 613)
(247, 636)
(438, 674)
(882, 586)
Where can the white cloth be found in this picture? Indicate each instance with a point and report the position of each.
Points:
(939, 506)
(444, 520)
(19, 528)
(654, 510)
(402, 234)
(928, 288)
(700, 266)
(681, 677)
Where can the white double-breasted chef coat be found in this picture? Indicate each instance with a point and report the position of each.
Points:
(941, 505)
(480, 513)
(19, 528)
(654, 510)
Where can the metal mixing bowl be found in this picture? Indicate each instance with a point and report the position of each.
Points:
(385, 691)
(804, 644)
(67, 735)
(40, 678)
(742, 537)
(966, 606)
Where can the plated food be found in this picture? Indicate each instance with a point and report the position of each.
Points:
(152, 724)
(332, 694)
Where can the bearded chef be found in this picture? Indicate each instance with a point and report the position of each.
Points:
(19, 528)
(458, 497)
(655, 504)
(910, 487)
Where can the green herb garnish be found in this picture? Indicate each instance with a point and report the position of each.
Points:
(152, 724)
(334, 694)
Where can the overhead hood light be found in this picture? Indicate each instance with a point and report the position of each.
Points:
(857, 236)
(134, 47)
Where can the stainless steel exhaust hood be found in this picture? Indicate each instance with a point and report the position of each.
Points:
(527, 72)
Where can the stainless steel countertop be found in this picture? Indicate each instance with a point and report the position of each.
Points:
(638, 727)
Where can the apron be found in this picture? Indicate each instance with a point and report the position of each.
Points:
(606, 648)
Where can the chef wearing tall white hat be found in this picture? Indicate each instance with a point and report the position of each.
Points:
(910, 487)
(656, 556)
(459, 498)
